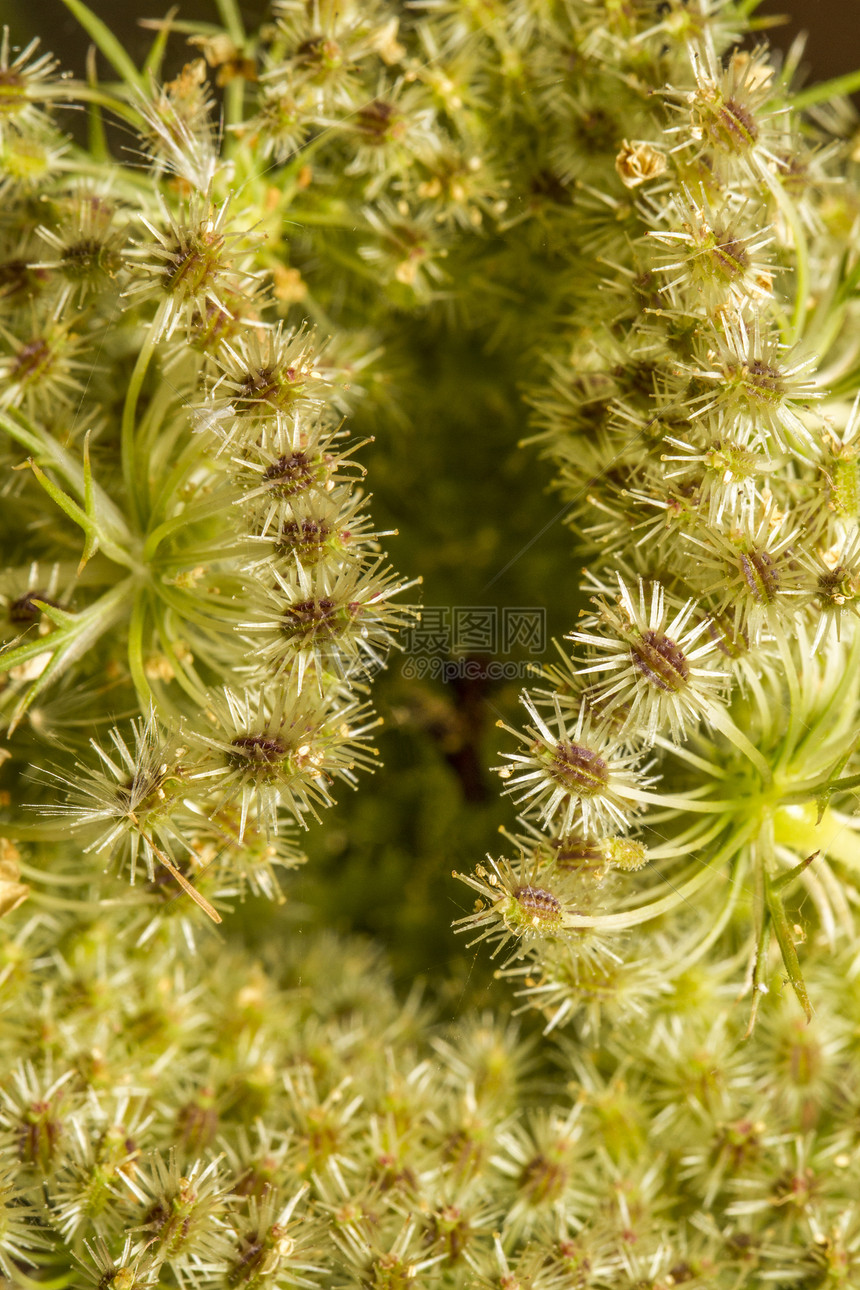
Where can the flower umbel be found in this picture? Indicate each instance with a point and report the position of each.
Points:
(575, 775)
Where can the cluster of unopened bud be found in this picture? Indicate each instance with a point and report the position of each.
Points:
(300, 1149)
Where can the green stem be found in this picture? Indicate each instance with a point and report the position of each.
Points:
(185, 675)
(130, 471)
(823, 338)
(26, 436)
(681, 802)
(77, 92)
(232, 20)
(234, 109)
(801, 249)
(846, 283)
(192, 515)
(32, 874)
(58, 1283)
(644, 914)
(701, 763)
(689, 840)
(59, 902)
(846, 385)
(808, 792)
(822, 727)
(111, 48)
(135, 648)
(762, 941)
(827, 316)
(155, 57)
(795, 706)
(721, 721)
(701, 947)
(185, 606)
(837, 87)
(22, 832)
(190, 456)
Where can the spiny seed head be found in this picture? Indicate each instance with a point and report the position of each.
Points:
(32, 360)
(193, 260)
(273, 371)
(732, 461)
(736, 1144)
(574, 853)
(537, 907)
(379, 121)
(578, 768)
(844, 482)
(661, 661)
(711, 256)
(543, 1179)
(839, 586)
(651, 657)
(762, 382)
(725, 105)
(88, 259)
(261, 748)
(730, 639)
(280, 119)
(41, 370)
(290, 474)
(569, 772)
(731, 126)
(320, 53)
(39, 1134)
(760, 574)
(727, 255)
(624, 853)
(307, 538)
(313, 618)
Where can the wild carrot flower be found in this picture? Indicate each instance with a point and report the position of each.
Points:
(573, 774)
(656, 678)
